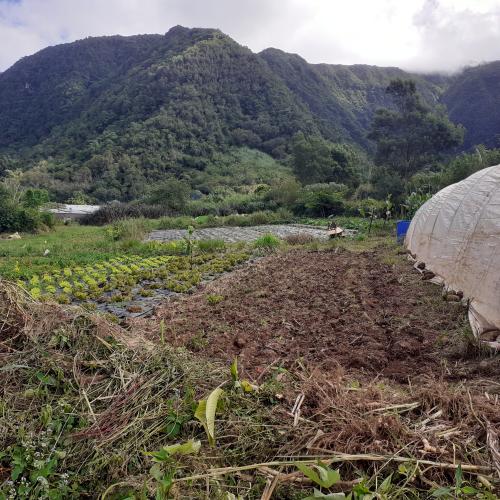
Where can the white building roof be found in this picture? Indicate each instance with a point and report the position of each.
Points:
(75, 209)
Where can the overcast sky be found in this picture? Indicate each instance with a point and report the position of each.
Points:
(422, 35)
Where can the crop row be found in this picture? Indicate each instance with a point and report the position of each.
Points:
(113, 280)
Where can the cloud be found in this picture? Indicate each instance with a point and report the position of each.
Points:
(455, 34)
(414, 34)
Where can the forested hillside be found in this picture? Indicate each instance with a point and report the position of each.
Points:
(343, 99)
(112, 115)
(473, 99)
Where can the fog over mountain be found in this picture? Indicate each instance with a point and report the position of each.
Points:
(417, 35)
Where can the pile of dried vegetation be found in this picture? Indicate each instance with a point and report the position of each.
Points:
(89, 409)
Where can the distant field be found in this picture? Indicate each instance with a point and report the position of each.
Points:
(67, 245)
(113, 269)
(82, 245)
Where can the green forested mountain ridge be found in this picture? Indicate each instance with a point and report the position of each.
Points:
(197, 79)
(113, 114)
(165, 110)
(342, 98)
(473, 99)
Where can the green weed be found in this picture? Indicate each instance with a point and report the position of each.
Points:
(267, 242)
(214, 299)
(210, 246)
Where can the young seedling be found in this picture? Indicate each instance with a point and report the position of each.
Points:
(205, 413)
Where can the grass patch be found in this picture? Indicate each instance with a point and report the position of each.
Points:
(379, 227)
(210, 246)
(66, 245)
(243, 220)
(129, 229)
(74, 245)
(267, 242)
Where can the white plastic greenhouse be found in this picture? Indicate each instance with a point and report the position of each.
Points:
(457, 235)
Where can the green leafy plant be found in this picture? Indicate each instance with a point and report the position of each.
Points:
(459, 490)
(323, 476)
(189, 244)
(164, 481)
(414, 201)
(214, 299)
(35, 463)
(210, 246)
(190, 447)
(205, 413)
(244, 384)
(320, 474)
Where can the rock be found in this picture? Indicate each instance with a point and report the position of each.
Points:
(421, 265)
(240, 342)
(452, 297)
(427, 275)
(15, 236)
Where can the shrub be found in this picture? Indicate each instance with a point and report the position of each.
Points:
(413, 202)
(47, 219)
(365, 207)
(202, 207)
(210, 246)
(172, 194)
(206, 221)
(320, 203)
(284, 194)
(267, 242)
(283, 215)
(17, 218)
(181, 222)
(234, 220)
(258, 218)
(128, 230)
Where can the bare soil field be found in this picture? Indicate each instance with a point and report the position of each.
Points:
(367, 360)
(368, 312)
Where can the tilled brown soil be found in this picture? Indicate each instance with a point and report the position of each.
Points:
(368, 312)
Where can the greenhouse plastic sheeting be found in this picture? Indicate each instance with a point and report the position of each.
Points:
(457, 235)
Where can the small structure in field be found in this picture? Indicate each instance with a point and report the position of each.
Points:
(73, 212)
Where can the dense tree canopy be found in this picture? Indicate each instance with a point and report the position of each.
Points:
(411, 136)
(316, 160)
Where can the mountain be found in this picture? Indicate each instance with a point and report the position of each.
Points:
(473, 99)
(110, 115)
(341, 98)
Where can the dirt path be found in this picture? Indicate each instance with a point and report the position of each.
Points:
(366, 312)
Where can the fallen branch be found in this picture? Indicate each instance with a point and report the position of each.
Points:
(335, 458)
